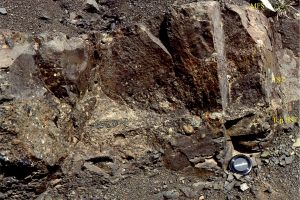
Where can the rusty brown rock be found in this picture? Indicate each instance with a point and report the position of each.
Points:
(197, 52)
(249, 68)
(180, 67)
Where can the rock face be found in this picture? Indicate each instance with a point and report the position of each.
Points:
(250, 69)
(179, 95)
(43, 76)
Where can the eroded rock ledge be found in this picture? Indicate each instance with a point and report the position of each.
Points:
(184, 95)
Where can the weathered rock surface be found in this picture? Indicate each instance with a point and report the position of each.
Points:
(181, 95)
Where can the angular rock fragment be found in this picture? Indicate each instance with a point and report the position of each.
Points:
(91, 6)
(244, 187)
(229, 185)
(3, 11)
(171, 194)
(297, 142)
(64, 65)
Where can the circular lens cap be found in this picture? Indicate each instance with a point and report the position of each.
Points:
(240, 164)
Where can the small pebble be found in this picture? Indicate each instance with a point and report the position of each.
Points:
(269, 190)
(201, 197)
(3, 11)
(230, 177)
(188, 129)
(244, 187)
(171, 194)
(229, 185)
(297, 142)
(289, 160)
(282, 163)
(265, 154)
(238, 176)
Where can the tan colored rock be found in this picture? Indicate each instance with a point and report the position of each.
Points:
(93, 168)
(208, 164)
(297, 143)
(188, 129)
(201, 197)
(244, 187)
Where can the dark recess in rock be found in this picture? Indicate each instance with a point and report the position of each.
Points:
(229, 123)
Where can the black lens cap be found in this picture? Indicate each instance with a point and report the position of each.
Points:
(240, 164)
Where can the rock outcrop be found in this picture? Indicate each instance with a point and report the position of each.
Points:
(185, 95)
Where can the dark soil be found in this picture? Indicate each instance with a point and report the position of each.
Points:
(50, 15)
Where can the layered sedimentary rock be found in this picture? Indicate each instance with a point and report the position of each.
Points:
(140, 97)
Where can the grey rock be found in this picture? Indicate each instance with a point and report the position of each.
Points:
(171, 194)
(156, 156)
(286, 153)
(275, 160)
(230, 177)
(282, 157)
(44, 196)
(244, 187)
(188, 192)
(196, 160)
(9, 42)
(73, 16)
(55, 182)
(256, 161)
(44, 16)
(209, 164)
(238, 184)
(217, 186)
(238, 176)
(289, 160)
(3, 11)
(230, 197)
(269, 189)
(2, 196)
(282, 163)
(195, 121)
(158, 196)
(248, 178)
(265, 126)
(91, 6)
(229, 185)
(265, 154)
(254, 191)
(93, 168)
(266, 161)
(201, 185)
